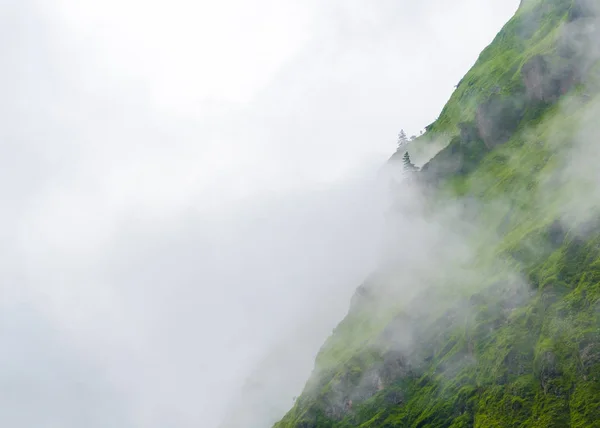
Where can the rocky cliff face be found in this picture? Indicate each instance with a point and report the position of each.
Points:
(492, 318)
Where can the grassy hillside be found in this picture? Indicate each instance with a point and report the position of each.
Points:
(500, 327)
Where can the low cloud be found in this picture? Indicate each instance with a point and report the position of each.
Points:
(158, 240)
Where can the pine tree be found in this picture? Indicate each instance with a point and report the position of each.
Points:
(402, 139)
(408, 165)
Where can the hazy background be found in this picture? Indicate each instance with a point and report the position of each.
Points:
(190, 193)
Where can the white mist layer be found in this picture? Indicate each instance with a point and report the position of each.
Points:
(180, 210)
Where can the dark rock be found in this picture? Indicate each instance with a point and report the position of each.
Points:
(395, 366)
(498, 118)
(547, 369)
(583, 9)
(547, 82)
(590, 355)
(394, 397)
(468, 132)
(516, 363)
(556, 233)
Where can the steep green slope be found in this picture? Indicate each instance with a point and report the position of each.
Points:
(499, 326)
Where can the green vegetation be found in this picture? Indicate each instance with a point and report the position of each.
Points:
(511, 338)
(408, 165)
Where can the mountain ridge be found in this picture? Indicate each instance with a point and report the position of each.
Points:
(491, 316)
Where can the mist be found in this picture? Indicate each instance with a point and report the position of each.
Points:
(192, 194)
(436, 246)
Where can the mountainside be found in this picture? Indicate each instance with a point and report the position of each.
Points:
(486, 312)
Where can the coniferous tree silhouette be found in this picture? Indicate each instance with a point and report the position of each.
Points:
(408, 165)
(402, 138)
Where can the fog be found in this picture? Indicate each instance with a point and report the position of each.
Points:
(192, 193)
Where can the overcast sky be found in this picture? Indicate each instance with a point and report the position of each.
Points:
(189, 190)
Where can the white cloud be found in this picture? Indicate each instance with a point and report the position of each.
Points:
(184, 185)
(190, 51)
